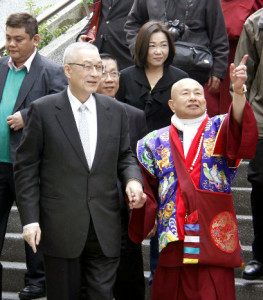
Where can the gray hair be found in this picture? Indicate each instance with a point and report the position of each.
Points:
(72, 49)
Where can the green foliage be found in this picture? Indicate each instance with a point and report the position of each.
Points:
(89, 3)
(46, 36)
(5, 53)
(35, 11)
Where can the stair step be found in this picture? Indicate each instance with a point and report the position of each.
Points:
(14, 223)
(241, 177)
(13, 276)
(245, 229)
(14, 249)
(241, 198)
(249, 289)
(14, 296)
(9, 296)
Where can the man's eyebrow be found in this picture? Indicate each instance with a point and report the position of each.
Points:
(16, 36)
(90, 61)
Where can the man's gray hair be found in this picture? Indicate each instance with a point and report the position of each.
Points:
(71, 51)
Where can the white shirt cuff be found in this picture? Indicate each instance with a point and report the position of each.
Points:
(31, 225)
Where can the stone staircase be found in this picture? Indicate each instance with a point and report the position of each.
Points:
(13, 256)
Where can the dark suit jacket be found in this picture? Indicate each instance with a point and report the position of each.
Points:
(137, 125)
(135, 90)
(54, 184)
(45, 77)
(111, 30)
(137, 130)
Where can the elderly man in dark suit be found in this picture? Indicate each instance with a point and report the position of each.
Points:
(129, 283)
(25, 76)
(111, 37)
(74, 147)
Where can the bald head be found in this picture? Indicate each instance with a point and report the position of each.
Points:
(184, 83)
(188, 101)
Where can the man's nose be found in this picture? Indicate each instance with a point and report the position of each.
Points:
(95, 72)
(108, 77)
(11, 42)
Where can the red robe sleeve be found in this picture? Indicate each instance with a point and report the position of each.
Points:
(142, 220)
(235, 142)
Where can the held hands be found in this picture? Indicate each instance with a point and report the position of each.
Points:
(135, 194)
(32, 235)
(238, 75)
(15, 121)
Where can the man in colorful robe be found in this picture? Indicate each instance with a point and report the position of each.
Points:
(211, 150)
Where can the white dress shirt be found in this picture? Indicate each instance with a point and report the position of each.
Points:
(92, 120)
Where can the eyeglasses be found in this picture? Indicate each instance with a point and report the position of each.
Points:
(89, 68)
(112, 74)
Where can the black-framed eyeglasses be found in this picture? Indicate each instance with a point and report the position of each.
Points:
(90, 67)
(112, 74)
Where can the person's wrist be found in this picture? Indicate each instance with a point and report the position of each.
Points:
(240, 91)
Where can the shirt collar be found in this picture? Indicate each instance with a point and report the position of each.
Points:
(181, 123)
(26, 65)
(90, 103)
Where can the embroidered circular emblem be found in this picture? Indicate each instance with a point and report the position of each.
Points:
(223, 231)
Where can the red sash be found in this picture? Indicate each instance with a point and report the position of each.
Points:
(210, 228)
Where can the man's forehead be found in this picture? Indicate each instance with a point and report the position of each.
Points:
(89, 55)
(90, 61)
(109, 64)
(16, 31)
(189, 84)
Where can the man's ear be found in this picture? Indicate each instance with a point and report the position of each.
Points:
(36, 39)
(171, 105)
(67, 71)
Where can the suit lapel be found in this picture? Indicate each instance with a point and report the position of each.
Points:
(104, 118)
(29, 80)
(67, 122)
(3, 71)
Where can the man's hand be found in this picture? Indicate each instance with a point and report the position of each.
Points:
(153, 231)
(32, 235)
(85, 38)
(213, 83)
(15, 121)
(238, 75)
(135, 194)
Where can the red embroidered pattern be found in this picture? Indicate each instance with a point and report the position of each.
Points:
(223, 230)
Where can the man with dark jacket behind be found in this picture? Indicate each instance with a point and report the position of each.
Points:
(110, 35)
(203, 24)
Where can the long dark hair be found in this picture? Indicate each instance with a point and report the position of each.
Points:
(143, 39)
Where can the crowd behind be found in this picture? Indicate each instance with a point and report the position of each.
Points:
(175, 83)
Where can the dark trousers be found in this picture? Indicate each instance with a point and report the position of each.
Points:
(35, 267)
(64, 276)
(129, 283)
(255, 176)
(154, 256)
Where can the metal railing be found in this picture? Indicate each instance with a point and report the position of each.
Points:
(46, 15)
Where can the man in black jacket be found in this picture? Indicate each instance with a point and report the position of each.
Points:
(129, 283)
(110, 35)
